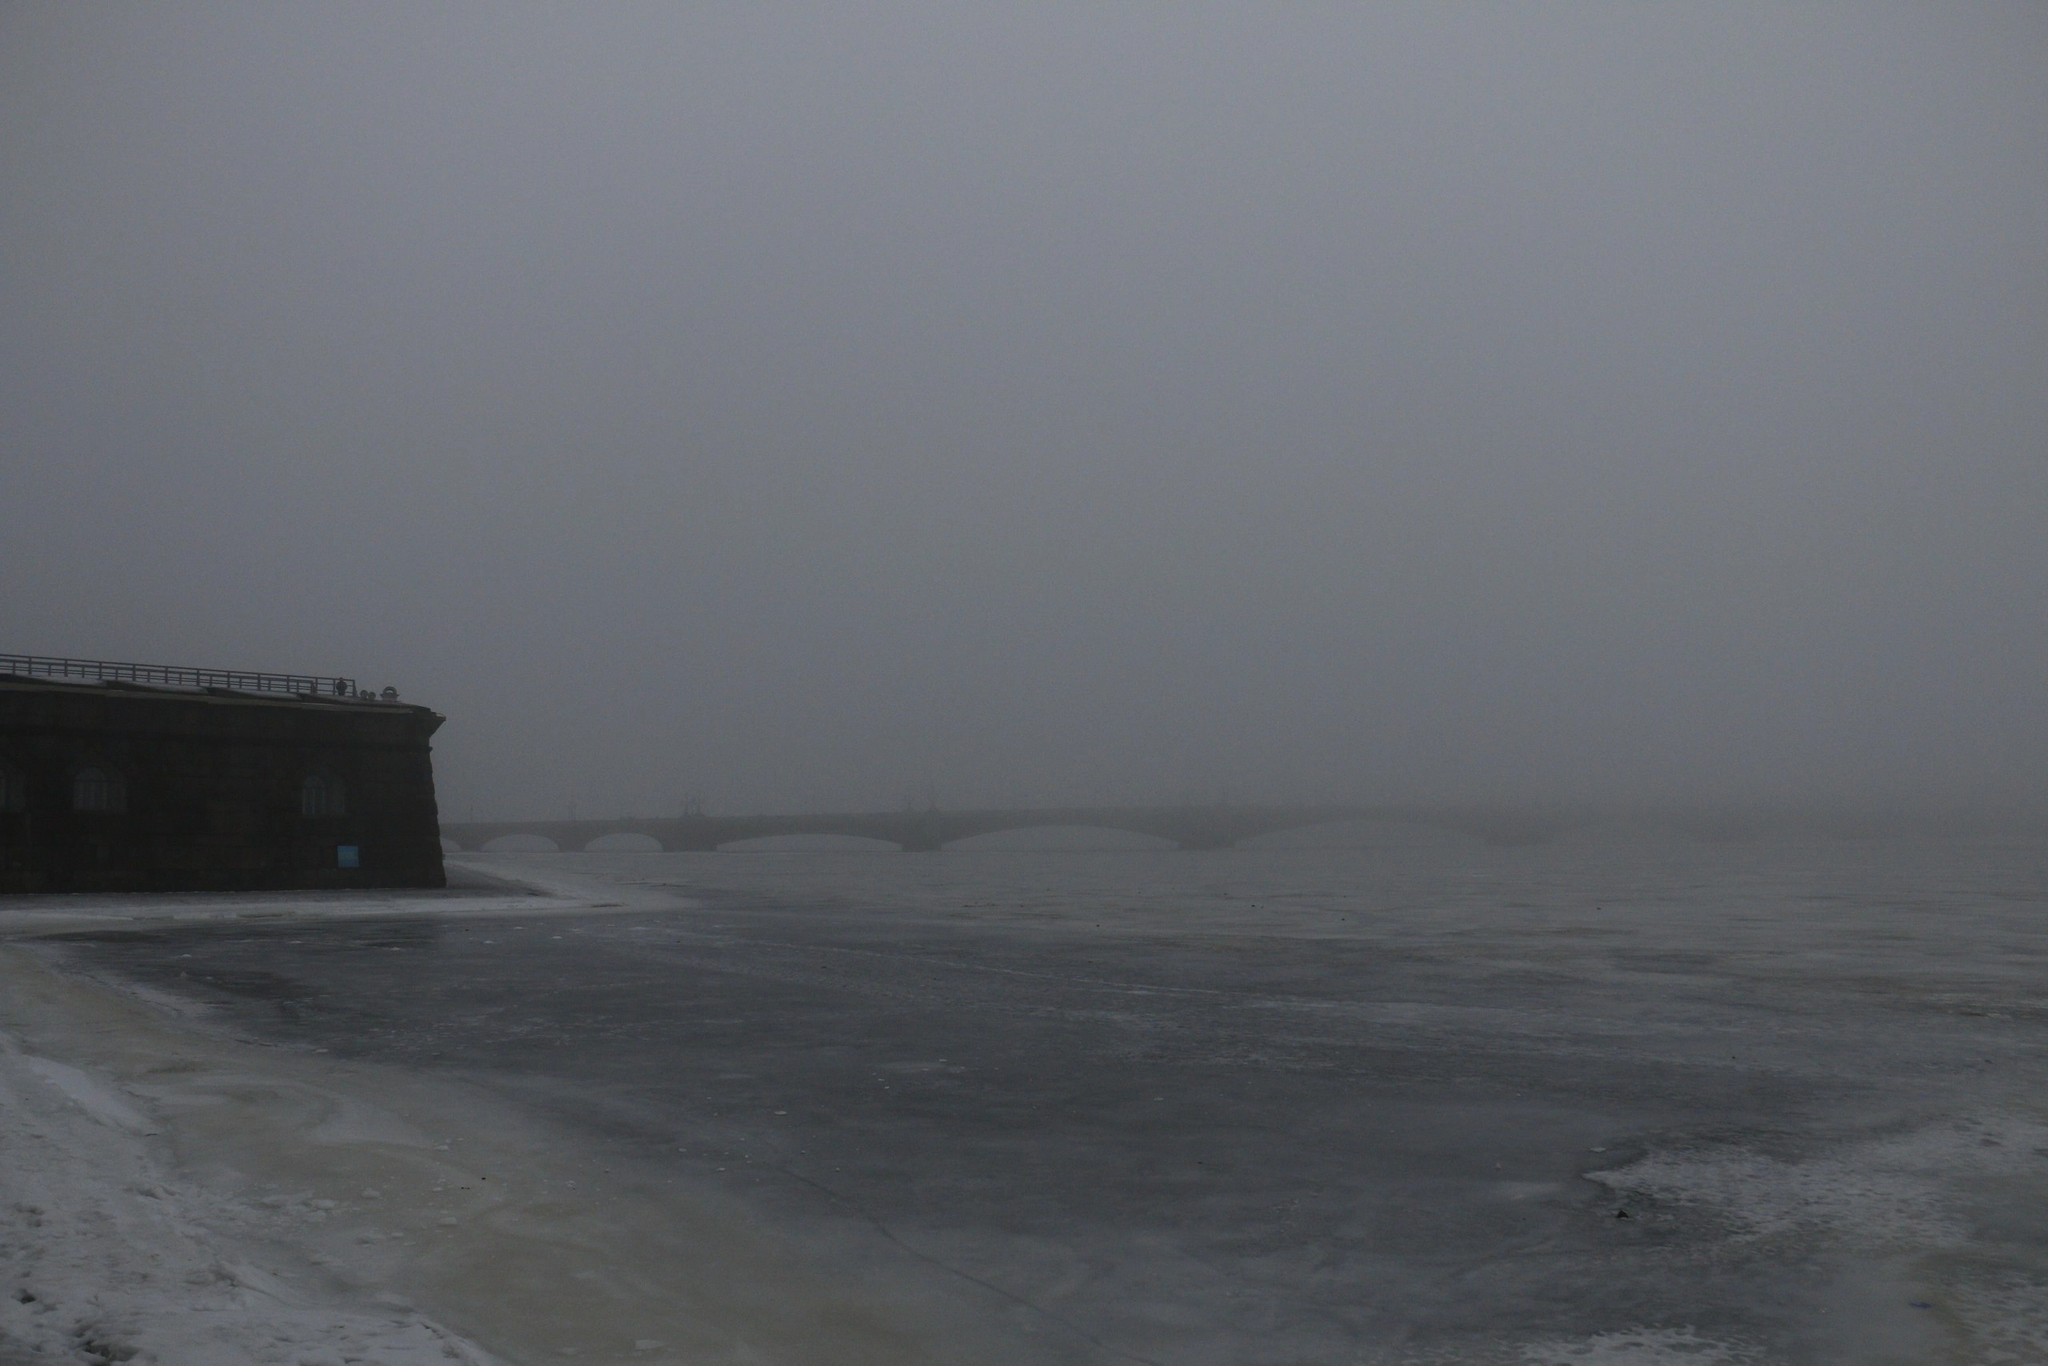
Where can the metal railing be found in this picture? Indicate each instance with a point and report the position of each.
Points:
(242, 680)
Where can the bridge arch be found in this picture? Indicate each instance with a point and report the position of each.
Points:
(624, 842)
(1034, 839)
(521, 843)
(1359, 832)
(810, 842)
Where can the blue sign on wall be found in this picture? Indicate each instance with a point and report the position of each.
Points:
(348, 856)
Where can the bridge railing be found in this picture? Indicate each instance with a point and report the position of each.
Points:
(243, 680)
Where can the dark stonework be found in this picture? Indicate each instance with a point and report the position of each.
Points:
(211, 790)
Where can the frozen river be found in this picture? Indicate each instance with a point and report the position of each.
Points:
(1599, 1100)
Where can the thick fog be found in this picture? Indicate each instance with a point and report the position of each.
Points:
(822, 408)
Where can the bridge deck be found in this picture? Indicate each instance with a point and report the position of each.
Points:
(1190, 827)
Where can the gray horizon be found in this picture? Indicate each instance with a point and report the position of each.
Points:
(781, 409)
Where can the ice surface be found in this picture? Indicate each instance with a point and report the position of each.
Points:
(1563, 1105)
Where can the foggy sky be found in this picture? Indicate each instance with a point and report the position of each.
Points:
(812, 408)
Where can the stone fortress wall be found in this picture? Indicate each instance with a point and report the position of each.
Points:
(110, 786)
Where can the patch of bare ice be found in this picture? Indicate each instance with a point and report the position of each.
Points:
(1896, 1190)
(1639, 1347)
(1912, 1201)
(2009, 1313)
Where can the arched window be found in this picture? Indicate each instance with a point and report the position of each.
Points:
(96, 789)
(13, 788)
(322, 794)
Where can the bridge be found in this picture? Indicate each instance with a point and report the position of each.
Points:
(1189, 827)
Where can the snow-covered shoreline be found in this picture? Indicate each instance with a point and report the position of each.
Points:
(123, 1241)
(109, 1253)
